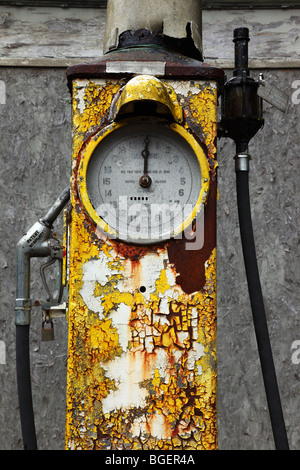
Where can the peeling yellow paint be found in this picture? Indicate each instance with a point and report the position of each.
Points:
(97, 101)
(89, 114)
(204, 112)
(141, 366)
(162, 282)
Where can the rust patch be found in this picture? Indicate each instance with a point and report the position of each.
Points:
(130, 251)
(190, 264)
(134, 252)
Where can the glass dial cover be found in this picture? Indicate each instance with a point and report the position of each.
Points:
(143, 180)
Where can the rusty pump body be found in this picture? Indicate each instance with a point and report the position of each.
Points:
(142, 312)
(143, 316)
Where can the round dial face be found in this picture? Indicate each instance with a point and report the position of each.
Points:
(143, 181)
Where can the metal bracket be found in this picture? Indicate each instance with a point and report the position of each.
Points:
(23, 311)
(55, 310)
(273, 95)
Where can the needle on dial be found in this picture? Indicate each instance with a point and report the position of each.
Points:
(145, 180)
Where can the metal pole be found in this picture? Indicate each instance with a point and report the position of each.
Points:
(168, 18)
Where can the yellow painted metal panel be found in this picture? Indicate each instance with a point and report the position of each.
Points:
(142, 325)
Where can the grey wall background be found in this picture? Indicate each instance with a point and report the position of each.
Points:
(35, 150)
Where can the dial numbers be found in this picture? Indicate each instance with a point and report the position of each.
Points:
(143, 181)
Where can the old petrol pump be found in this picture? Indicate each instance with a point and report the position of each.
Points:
(142, 256)
(140, 233)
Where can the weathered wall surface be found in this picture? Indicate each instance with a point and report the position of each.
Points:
(275, 193)
(35, 152)
(62, 36)
(35, 149)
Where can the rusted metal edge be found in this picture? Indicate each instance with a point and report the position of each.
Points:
(156, 61)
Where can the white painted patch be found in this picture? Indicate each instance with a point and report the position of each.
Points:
(140, 426)
(128, 371)
(188, 88)
(140, 67)
(194, 355)
(95, 271)
(159, 427)
(80, 92)
(120, 320)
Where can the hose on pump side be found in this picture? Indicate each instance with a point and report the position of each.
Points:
(257, 306)
(24, 387)
(35, 243)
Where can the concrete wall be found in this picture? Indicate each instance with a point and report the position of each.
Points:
(35, 151)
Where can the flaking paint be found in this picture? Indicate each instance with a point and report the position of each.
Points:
(141, 365)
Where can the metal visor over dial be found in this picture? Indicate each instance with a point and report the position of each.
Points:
(143, 181)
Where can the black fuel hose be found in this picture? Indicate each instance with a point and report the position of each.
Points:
(258, 312)
(24, 387)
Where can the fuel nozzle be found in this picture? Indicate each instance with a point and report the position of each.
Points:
(242, 114)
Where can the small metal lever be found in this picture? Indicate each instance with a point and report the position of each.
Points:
(56, 254)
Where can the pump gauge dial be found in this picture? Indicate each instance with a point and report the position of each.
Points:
(143, 182)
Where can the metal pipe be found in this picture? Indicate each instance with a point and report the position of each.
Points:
(57, 207)
(168, 18)
(241, 39)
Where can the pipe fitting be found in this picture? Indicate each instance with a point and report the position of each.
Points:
(242, 162)
(23, 311)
